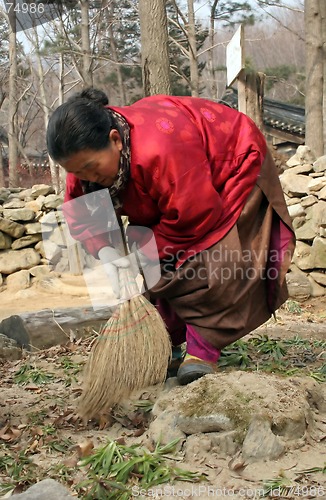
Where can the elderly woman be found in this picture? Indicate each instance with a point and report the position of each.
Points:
(200, 176)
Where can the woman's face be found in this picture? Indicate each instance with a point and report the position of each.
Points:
(97, 166)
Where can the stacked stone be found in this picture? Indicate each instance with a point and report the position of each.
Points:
(22, 254)
(304, 186)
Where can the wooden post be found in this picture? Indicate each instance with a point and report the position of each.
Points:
(251, 96)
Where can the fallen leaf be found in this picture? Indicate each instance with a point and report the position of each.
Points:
(72, 461)
(84, 449)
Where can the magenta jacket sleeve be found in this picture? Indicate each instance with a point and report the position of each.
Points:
(87, 227)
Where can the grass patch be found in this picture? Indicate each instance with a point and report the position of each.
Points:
(113, 470)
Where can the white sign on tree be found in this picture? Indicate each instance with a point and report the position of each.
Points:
(235, 55)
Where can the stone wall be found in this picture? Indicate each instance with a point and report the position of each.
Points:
(23, 258)
(22, 254)
(304, 186)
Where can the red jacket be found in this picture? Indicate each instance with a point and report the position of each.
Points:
(193, 165)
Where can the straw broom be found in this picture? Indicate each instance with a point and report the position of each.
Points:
(132, 351)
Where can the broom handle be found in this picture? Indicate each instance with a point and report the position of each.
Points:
(128, 285)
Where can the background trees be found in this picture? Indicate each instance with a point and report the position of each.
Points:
(113, 44)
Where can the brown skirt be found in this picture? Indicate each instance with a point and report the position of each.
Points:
(234, 286)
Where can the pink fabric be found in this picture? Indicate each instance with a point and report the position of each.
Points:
(281, 236)
(199, 347)
(181, 332)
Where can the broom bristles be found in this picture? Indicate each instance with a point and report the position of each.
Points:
(132, 351)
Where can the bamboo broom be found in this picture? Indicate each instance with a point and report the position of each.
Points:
(132, 351)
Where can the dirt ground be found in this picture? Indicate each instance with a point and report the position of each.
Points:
(41, 435)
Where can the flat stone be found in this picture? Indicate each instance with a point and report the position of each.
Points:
(18, 281)
(9, 349)
(308, 231)
(41, 190)
(205, 423)
(19, 214)
(26, 241)
(5, 241)
(12, 228)
(294, 184)
(52, 201)
(302, 256)
(33, 228)
(318, 252)
(316, 289)
(320, 164)
(40, 271)
(303, 155)
(298, 286)
(316, 185)
(165, 429)
(322, 193)
(319, 277)
(308, 201)
(296, 210)
(15, 203)
(15, 260)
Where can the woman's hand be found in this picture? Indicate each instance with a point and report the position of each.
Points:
(112, 261)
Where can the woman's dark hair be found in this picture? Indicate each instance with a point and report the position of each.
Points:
(80, 123)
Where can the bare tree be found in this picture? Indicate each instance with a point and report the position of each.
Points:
(191, 29)
(154, 47)
(85, 44)
(12, 97)
(314, 76)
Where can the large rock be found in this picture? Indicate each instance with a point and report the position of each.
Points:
(247, 402)
(15, 260)
(48, 489)
(13, 327)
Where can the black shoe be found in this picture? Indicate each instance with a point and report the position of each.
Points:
(192, 369)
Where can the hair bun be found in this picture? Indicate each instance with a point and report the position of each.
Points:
(95, 95)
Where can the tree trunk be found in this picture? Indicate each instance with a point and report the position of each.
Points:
(210, 55)
(191, 28)
(12, 96)
(314, 77)
(45, 107)
(154, 47)
(86, 46)
(62, 172)
(323, 24)
(2, 173)
(114, 55)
